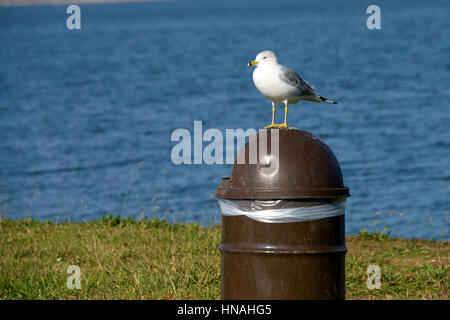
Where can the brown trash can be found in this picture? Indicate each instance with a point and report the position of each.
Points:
(269, 256)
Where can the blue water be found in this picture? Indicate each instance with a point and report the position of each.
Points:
(86, 115)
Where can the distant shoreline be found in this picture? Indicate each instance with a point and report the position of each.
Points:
(23, 3)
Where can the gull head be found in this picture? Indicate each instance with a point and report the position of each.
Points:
(264, 58)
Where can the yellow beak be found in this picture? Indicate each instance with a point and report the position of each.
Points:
(252, 63)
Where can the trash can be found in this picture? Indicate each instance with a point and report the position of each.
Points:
(283, 233)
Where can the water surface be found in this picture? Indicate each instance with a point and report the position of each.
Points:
(86, 116)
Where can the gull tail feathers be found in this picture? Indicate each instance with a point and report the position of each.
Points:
(327, 100)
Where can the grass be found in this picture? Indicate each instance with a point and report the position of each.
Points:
(151, 259)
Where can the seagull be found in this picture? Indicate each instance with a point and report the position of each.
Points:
(281, 85)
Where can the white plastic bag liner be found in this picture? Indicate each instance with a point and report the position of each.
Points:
(282, 211)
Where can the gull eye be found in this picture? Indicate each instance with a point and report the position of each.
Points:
(265, 57)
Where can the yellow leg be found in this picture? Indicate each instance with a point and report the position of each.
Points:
(273, 113)
(273, 125)
(284, 125)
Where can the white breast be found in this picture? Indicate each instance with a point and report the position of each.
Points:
(267, 80)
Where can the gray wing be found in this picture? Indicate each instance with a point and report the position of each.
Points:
(293, 79)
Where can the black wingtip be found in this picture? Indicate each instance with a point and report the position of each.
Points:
(327, 100)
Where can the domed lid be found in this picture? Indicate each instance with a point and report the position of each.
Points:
(303, 168)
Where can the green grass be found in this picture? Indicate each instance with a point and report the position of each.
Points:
(151, 259)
